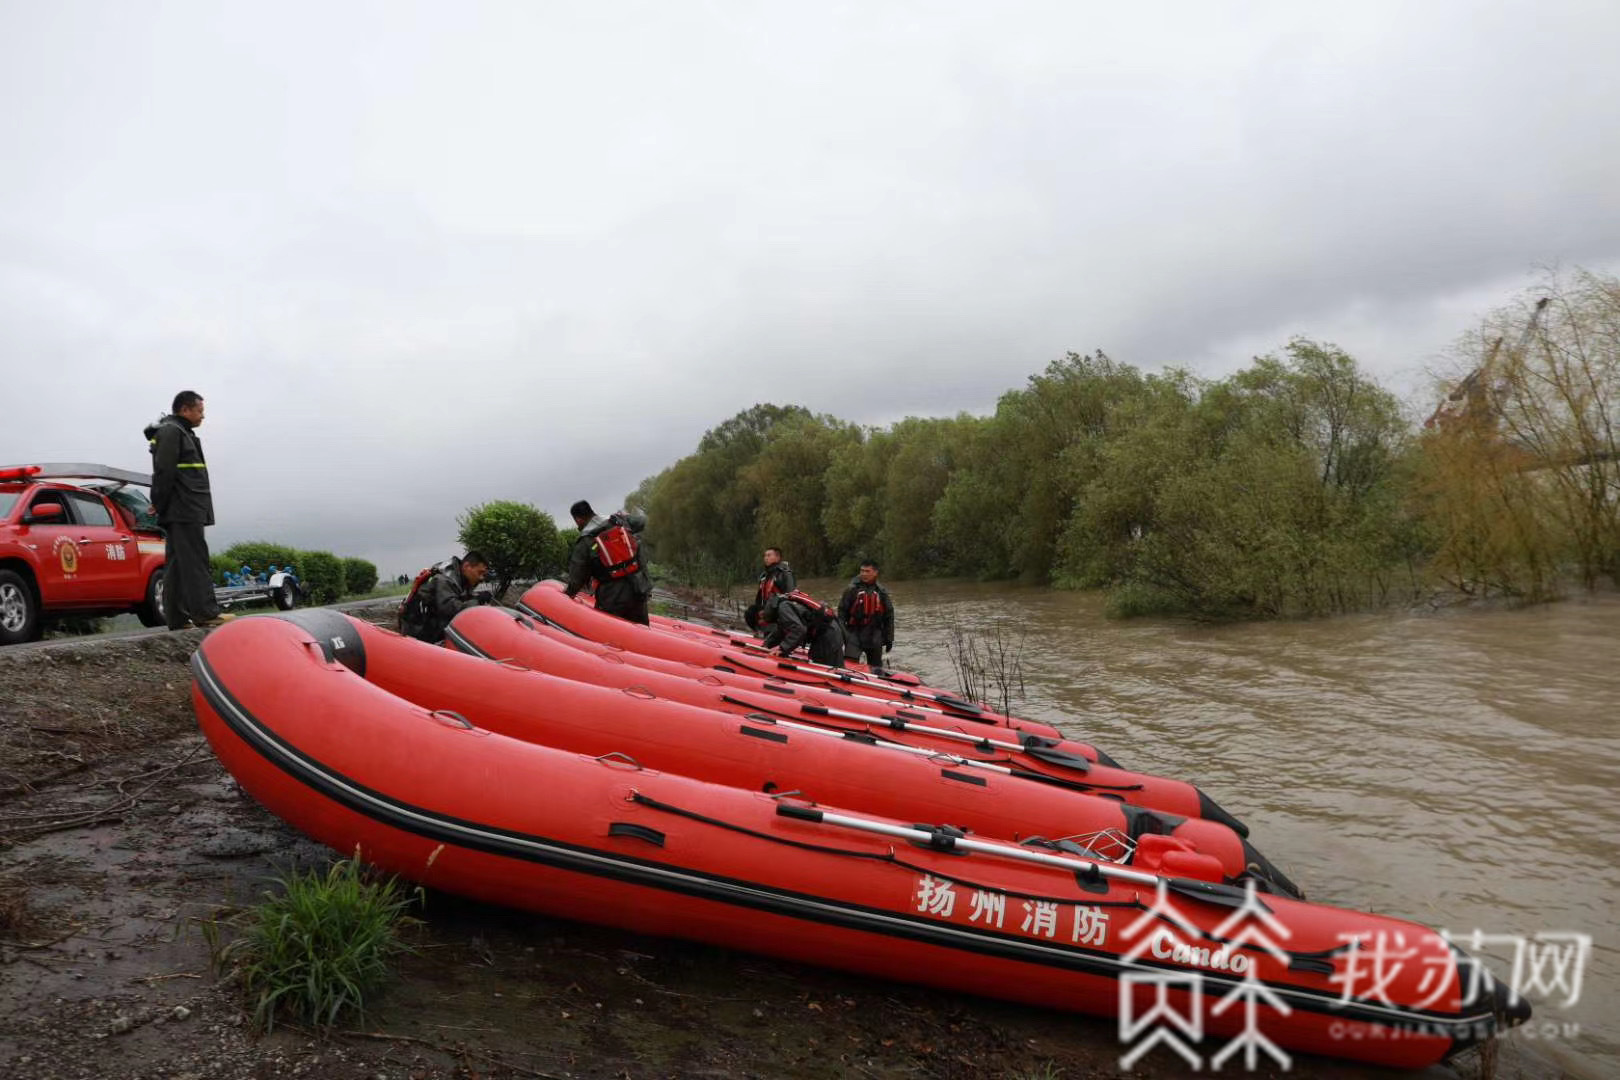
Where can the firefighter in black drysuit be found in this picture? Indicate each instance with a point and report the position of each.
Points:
(184, 502)
(793, 619)
(609, 551)
(868, 612)
(775, 580)
(444, 595)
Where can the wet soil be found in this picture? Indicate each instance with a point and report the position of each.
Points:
(121, 835)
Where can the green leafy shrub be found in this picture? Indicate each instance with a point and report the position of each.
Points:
(261, 555)
(218, 565)
(518, 540)
(318, 949)
(321, 574)
(359, 576)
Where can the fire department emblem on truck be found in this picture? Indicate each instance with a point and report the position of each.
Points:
(68, 552)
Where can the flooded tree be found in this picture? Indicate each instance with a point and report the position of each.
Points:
(1294, 486)
(1520, 479)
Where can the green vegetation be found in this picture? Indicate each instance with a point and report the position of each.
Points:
(519, 541)
(1296, 486)
(325, 577)
(359, 576)
(261, 555)
(1045, 1071)
(321, 575)
(220, 565)
(317, 949)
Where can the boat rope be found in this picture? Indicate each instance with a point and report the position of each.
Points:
(959, 709)
(1004, 764)
(1089, 875)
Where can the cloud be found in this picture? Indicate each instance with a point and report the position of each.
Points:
(419, 257)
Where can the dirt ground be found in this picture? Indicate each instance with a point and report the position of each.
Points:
(120, 833)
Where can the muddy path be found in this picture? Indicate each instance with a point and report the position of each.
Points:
(120, 835)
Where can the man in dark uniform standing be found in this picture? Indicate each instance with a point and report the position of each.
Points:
(775, 580)
(869, 613)
(185, 507)
(609, 551)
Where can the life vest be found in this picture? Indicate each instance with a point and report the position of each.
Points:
(618, 551)
(804, 599)
(768, 586)
(866, 607)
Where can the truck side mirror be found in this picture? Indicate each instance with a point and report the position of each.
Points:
(44, 513)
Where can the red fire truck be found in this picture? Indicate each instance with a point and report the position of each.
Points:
(76, 539)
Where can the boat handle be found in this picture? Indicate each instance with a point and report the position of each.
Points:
(442, 714)
(641, 692)
(509, 662)
(618, 757)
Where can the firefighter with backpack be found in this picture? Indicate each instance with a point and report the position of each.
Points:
(440, 593)
(608, 552)
(798, 618)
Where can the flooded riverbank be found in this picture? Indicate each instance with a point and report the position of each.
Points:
(1456, 768)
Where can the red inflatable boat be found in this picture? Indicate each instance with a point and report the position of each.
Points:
(499, 634)
(290, 706)
(707, 648)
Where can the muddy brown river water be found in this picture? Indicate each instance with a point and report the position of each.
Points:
(1456, 768)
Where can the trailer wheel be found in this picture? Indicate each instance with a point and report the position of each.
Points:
(286, 596)
(151, 610)
(19, 611)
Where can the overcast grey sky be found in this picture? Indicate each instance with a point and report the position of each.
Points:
(420, 255)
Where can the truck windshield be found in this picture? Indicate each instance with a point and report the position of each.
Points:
(8, 499)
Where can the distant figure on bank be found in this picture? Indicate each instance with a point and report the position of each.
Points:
(445, 594)
(798, 617)
(608, 552)
(869, 613)
(775, 580)
(185, 507)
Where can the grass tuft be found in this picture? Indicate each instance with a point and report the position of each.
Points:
(1045, 1071)
(318, 949)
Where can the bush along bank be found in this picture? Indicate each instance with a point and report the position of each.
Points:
(1296, 486)
(326, 578)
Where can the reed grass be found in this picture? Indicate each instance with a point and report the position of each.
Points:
(318, 948)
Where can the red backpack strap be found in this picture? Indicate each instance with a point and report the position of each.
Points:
(808, 601)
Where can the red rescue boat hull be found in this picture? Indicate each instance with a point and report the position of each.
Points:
(457, 807)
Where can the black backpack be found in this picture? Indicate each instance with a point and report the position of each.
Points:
(414, 616)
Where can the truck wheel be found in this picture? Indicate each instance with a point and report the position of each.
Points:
(19, 611)
(286, 596)
(151, 610)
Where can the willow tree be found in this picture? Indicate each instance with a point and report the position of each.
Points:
(787, 484)
(701, 510)
(1004, 509)
(1558, 400)
(1274, 491)
(1521, 470)
(923, 454)
(854, 512)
